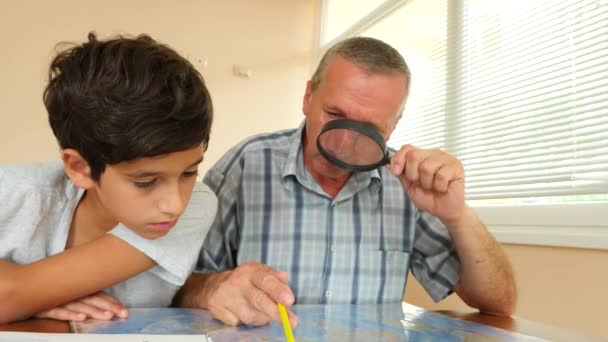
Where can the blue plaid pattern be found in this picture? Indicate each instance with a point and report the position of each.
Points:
(355, 248)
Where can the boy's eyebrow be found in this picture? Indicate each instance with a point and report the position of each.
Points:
(139, 174)
(198, 161)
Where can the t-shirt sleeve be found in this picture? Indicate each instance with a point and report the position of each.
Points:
(38, 203)
(11, 215)
(5, 195)
(435, 263)
(176, 253)
(15, 208)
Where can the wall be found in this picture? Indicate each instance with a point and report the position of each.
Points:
(565, 287)
(274, 38)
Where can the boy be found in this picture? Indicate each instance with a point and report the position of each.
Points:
(122, 214)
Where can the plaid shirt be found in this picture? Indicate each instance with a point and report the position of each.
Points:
(354, 248)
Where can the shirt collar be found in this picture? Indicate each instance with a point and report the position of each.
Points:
(294, 151)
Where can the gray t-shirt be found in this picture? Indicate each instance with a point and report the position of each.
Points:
(38, 203)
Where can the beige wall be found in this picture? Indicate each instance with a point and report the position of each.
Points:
(560, 286)
(272, 37)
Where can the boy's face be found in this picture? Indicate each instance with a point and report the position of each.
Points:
(148, 195)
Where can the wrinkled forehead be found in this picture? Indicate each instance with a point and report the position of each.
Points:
(377, 99)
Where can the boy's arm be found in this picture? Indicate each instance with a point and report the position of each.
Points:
(64, 277)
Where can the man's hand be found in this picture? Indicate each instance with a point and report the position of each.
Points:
(433, 179)
(248, 294)
(99, 305)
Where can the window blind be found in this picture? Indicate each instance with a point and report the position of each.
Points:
(418, 29)
(517, 90)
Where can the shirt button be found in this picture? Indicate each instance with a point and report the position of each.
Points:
(328, 293)
(333, 248)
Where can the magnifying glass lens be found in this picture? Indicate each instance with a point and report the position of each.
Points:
(351, 147)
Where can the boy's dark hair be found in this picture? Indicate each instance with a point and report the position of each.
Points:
(126, 98)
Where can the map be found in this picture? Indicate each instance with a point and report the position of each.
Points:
(395, 322)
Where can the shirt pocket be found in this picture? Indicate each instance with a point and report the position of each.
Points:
(383, 274)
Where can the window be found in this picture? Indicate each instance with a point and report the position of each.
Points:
(518, 91)
(343, 14)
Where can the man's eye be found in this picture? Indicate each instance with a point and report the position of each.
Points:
(146, 184)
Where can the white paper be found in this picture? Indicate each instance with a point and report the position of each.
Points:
(45, 337)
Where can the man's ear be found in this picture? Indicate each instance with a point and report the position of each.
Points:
(395, 122)
(307, 99)
(77, 168)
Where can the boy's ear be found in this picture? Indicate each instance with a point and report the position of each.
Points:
(77, 168)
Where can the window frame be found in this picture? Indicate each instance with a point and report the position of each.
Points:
(577, 225)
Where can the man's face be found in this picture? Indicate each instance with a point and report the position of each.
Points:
(347, 91)
(148, 195)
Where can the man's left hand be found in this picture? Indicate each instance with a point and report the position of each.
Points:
(433, 179)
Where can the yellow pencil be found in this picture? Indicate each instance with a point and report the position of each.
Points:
(286, 325)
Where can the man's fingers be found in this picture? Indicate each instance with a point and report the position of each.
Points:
(262, 302)
(413, 159)
(245, 311)
(442, 179)
(248, 295)
(225, 316)
(283, 276)
(250, 316)
(431, 169)
(268, 282)
(398, 160)
(234, 305)
(293, 319)
(428, 168)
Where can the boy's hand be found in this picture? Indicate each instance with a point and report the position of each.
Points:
(99, 305)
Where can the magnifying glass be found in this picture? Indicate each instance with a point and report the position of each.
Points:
(352, 145)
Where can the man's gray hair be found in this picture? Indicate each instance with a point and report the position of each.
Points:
(373, 55)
